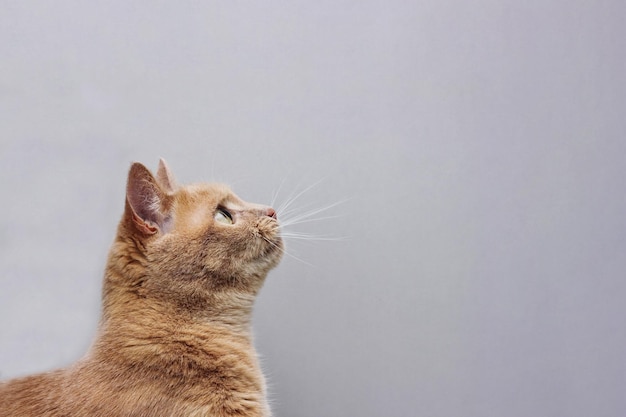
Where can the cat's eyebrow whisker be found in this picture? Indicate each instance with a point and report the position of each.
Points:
(292, 198)
(275, 195)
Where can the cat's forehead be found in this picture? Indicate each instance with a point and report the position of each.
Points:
(219, 193)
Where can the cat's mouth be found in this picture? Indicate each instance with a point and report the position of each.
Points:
(268, 231)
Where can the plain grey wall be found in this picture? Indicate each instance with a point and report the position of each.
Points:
(480, 147)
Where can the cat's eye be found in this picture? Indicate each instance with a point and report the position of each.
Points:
(223, 216)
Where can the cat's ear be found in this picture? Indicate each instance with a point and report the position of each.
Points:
(165, 177)
(146, 201)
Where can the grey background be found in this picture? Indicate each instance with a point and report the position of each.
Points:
(480, 147)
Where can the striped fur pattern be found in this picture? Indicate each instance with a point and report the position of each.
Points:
(179, 287)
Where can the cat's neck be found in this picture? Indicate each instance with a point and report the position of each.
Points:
(139, 332)
(129, 297)
(229, 310)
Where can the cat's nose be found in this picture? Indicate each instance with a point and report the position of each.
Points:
(271, 213)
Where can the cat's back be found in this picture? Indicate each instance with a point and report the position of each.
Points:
(33, 395)
(66, 393)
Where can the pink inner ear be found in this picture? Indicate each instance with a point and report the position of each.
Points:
(143, 226)
(145, 198)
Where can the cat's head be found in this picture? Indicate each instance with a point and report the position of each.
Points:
(184, 242)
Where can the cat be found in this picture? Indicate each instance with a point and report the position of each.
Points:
(174, 337)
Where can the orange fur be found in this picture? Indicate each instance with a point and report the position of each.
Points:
(174, 337)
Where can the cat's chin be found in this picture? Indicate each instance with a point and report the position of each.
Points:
(274, 250)
(267, 260)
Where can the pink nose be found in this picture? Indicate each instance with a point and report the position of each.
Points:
(271, 212)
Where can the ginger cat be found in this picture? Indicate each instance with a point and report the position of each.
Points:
(174, 338)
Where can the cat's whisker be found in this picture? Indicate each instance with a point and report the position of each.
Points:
(291, 215)
(310, 213)
(310, 237)
(297, 210)
(294, 222)
(297, 259)
(284, 252)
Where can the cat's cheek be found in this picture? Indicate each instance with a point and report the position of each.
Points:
(213, 265)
